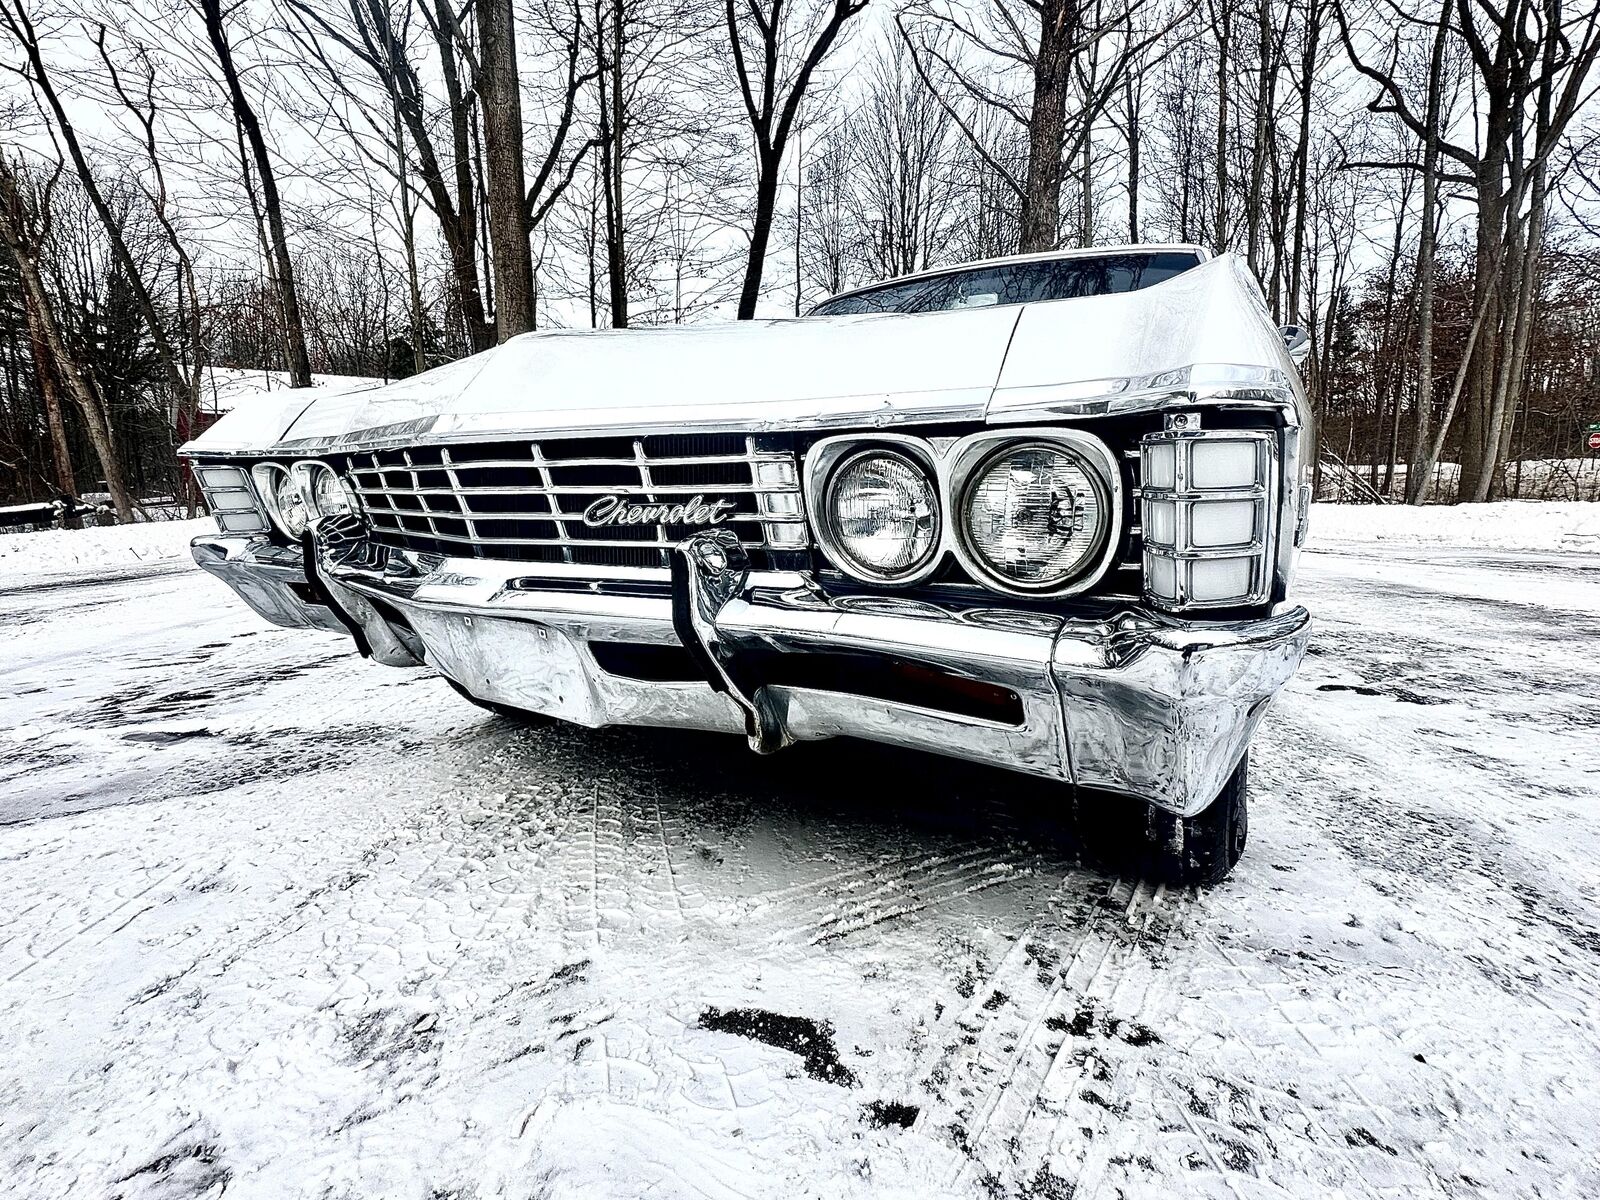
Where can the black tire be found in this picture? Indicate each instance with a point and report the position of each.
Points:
(1202, 849)
(521, 715)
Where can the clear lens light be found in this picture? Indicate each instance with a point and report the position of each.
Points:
(1223, 464)
(292, 510)
(232, 501)
(884, 514)
(329, 495)
(1035, 516)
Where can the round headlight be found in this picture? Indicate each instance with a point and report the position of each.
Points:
(290, 502)
(1036, 515)
(330, 496)
(286, 504)
(883, 513)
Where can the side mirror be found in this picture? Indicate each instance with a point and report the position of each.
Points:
(1298, 342)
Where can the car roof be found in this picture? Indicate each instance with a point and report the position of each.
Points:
(1200, 252)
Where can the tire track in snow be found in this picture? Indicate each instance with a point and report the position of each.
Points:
(920, 884)
(987, 1083)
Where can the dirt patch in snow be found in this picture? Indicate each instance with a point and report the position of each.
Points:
(812, 1040)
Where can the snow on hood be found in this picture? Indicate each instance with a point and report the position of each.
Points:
(1000, 363)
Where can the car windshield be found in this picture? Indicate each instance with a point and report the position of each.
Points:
(1016, 283)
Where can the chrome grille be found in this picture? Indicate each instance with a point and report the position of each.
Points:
(525, 500)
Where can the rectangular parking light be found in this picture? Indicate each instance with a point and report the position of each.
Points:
(1220, 580)
(1219, 523)
(221, 477)
(231, 499)
(1224, 463)
(776, 473)
(240, 522)
(1203, 515)
(779, 504)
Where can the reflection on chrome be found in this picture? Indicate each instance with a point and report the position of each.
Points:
(1055, 536)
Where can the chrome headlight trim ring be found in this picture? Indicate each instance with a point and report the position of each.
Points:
(823, 463)
(265, 477)
(971, 455)
(305, 473)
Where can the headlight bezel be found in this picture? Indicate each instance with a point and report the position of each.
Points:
(983, 567)
(300, 475)
(827, 462)
(265, 476)
(969, 459)
(306, 472)
(950, 462)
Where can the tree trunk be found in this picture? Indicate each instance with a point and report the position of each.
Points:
(1224, 27)
(760, 234)
(1302, 155)
(299, 363)
(44, 371)
(1266, 78)
(506, 187)
(613, 133)
(1041, 201)
(1419, 475)
(1133, 98)
(1086, 186)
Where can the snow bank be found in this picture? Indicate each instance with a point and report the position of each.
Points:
(1506, 525)
(109, 546)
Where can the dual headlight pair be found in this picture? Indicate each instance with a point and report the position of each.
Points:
(295, 495)
(1027, 512)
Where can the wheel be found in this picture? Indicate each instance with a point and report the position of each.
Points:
(1202, 849)
(520, 715)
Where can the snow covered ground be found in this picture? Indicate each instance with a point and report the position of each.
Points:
(280, 922)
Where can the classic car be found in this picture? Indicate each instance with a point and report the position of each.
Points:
(1040, 512)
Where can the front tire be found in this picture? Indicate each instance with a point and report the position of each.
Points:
(1202, 849)
(520, 715)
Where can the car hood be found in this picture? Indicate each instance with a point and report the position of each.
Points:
(1036, 361)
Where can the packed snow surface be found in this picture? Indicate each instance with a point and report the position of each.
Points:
(283, 923)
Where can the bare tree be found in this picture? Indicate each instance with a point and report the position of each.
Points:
(19, 24)
(776, 53)
(23, 225)
(975, 60)
(902, 199)
(1532, 61)
(283, 263)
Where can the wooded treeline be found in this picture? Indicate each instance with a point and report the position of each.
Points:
(378, 186)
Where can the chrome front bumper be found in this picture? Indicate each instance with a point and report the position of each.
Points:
(1132, 702)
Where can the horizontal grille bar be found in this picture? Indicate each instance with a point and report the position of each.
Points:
(574, 490)
(498, 541)
(478, 514)
(527, 500)
(447, 461)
